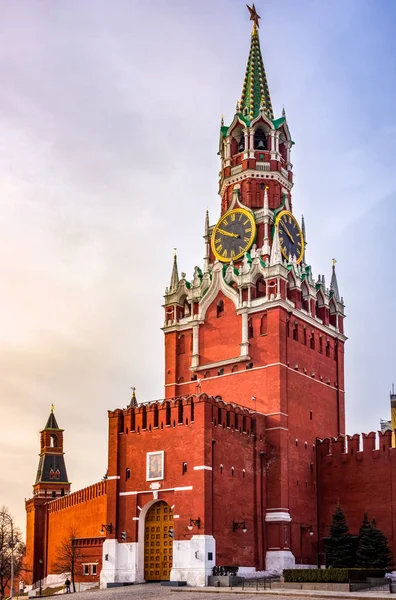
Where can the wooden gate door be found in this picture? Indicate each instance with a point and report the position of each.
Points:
(158, 545)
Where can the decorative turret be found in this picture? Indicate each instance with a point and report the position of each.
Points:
(175, 274)
(276, 255)
(334, 283)
(133, 402)
(304, 237)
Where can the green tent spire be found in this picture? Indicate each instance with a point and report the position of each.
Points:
(255, 91)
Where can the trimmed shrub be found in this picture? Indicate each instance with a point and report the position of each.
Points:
(330, 575)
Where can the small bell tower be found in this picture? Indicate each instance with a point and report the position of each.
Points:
(51, 483)
(51, 480)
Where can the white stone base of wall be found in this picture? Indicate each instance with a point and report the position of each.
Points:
(124, 563)
(119, 563)
(277, 560)
(191, 560)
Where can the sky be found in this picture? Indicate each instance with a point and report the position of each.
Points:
(109, 128)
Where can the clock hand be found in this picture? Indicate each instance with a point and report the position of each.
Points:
(288, 232)
(235, 235)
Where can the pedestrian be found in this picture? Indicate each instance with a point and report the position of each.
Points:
(67, 585)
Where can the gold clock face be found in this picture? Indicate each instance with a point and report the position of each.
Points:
(233, 235)
(290, 235)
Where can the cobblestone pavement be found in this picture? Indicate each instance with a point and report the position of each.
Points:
(148, 591)
(154, 590)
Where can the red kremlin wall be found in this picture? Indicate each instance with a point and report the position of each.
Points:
(78, 515)
(359, 472)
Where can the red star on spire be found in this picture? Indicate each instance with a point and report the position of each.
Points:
(253, 15)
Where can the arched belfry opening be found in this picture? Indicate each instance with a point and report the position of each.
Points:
(260, 139)
(158, 542)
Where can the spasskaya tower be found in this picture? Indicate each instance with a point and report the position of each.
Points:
(253, 327)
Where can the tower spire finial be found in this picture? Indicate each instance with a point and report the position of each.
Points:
(133, 401)
(276, 255)
(334, 282)
(52, 407)
(254, 17)
(255, 92)
(207, 243)
(175, 273)
(304, 237)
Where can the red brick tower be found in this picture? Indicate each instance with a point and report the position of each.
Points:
(253, 326)
(51, 482)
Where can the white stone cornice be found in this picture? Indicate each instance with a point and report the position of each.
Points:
(221, 363)
(246, 372)
(273, 175)
(299, 314)
(178, 326)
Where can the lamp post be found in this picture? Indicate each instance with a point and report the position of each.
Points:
(11, 544)
(196, 522)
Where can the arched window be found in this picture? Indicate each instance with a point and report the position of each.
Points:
(186, 309)
(261, 288)
(180, 412)
(250, 329)
(192, 411)
(282, 145)
(249, 365)
(260, 139)
(312, 341)
(206, 374)
(180, 380)
(220, 308)
(295, 331)
(234, 369)
(220, 372)
(180, 347)
(263, 324)
(305, 297)
(53, 441)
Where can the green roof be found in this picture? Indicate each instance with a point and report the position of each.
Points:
(278, 122)
(255, 91)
